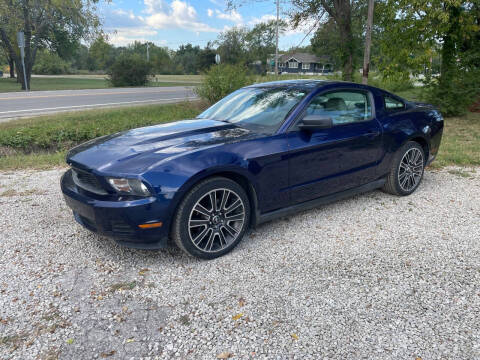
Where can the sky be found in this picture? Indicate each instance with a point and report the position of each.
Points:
(175, 22)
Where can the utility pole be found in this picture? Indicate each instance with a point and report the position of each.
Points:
(21, 45)
(276, 46)
(368, 43)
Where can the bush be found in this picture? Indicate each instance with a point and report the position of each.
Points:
(129, 70)
(393, 84)
(221, 80)
(454, 96)
(50, 64)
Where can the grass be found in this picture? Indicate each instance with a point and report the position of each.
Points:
(179, 78)
(42, 142)
(79, 83)
(460, 142)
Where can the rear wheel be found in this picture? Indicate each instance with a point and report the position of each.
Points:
(212, 218)
(407, 170)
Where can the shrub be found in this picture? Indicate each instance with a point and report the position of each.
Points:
(393, 84)
(221, 80)
(129, 70)
(50, 64)
(454, 96)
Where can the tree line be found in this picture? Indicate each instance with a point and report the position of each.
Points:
(437, 38)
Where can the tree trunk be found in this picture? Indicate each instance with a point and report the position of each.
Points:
(11, 65)
(346, 48)
(13, 55)
(343, 19)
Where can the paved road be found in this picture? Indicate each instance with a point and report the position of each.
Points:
(18, 104)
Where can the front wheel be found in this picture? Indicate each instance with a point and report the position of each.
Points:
(407, 170)
(212, 218)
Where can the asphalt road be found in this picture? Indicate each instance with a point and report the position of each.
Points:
(22, 104)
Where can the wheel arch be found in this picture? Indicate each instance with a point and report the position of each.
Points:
(238, 175)
(423, 142)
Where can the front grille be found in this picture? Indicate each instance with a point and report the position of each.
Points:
(87, 181)
(121, 227)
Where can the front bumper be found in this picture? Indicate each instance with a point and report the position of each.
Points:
(118, 219)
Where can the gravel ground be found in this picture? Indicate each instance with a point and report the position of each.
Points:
(375, 276)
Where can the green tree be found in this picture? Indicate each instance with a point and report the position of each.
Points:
(41, 21)
(327, 37)
(49, 63)
(413, 31)
(232, 45)
(261, 40)
(187, 57)
(129, 70)
(101, 54)
(340, 13)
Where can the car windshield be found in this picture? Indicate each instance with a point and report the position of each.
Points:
(258, 109)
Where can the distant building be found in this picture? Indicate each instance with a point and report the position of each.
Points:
(301, 63)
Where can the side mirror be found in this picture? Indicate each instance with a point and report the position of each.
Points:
(314, 122)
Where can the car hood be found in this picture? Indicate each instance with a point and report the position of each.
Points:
(135, 151)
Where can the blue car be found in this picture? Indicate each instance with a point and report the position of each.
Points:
(264, 151)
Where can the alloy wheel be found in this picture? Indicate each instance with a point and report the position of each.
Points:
(216, 220)
(410, 169)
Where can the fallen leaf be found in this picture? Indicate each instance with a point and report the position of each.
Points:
(130, 340)
(70, 341)
(295, 336)
(418, 358)
(108, 354)
(236, 317)
(142, 272)
(241, 302)
(224, 355)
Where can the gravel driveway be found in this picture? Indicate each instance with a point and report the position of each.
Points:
(375, 276)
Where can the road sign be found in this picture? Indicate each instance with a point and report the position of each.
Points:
(217, 59)
(21, 39)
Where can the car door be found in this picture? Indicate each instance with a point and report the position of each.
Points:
(326, 161)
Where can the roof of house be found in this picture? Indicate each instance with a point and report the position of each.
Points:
(303, 58)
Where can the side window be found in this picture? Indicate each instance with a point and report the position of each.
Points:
(343, 107)
(392, 104)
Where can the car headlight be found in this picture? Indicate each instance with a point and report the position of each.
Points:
(129, 186)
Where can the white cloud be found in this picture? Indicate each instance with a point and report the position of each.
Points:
(178, 14)
(209, 12)
(220, 3)
(233, 16)
(125, 36)
(155, 6)
(263, 19)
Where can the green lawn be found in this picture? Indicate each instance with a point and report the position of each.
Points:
(78, 83)
(41, 142)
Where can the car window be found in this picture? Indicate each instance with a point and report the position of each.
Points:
(343, 107)
(260, 109)
(393, 104)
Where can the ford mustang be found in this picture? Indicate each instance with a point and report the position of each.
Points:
(264, 151)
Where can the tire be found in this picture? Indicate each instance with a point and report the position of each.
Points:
(407, 169)
(206, 232)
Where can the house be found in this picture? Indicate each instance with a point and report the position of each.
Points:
(301, 63)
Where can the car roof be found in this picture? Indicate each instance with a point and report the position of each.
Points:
(307, 84)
